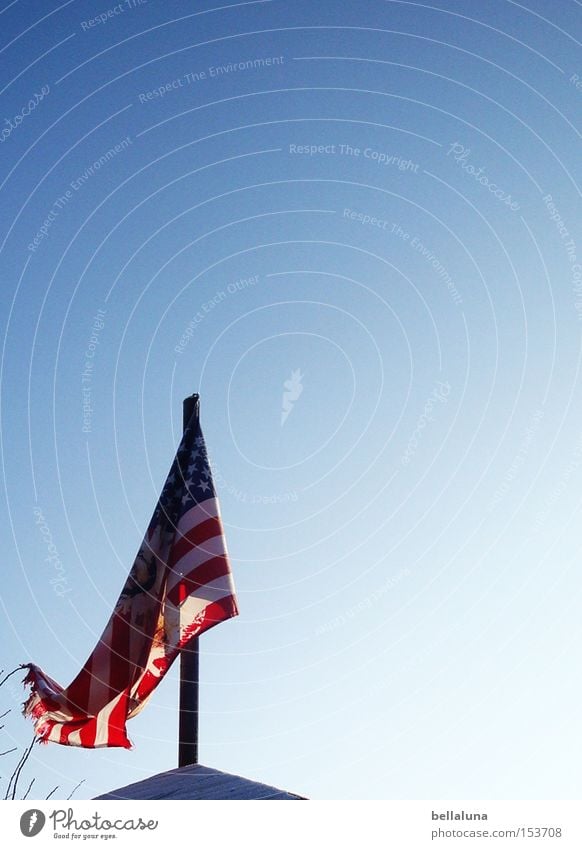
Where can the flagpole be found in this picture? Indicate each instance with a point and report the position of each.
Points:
(189, 668)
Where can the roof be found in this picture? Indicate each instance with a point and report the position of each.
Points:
(198, 782)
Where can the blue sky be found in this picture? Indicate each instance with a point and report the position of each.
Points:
(380, 205)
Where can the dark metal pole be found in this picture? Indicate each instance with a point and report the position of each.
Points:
(189, 670)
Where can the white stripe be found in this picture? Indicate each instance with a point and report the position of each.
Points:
(75, 738)
(55, 734)
(208, 509)
(102, 722)
(195, 604)
(213, 547)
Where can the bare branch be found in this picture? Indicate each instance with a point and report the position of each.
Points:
(28, 791)
(6, 677)
(13, 782)
(9, 788)
(21, 764)
(75, 788)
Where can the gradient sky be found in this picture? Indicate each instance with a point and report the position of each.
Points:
(388, 208)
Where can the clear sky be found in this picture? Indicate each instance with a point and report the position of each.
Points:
(354, 229)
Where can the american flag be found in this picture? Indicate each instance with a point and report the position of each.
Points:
(179, 586)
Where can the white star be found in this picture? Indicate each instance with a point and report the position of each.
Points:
(204, 486)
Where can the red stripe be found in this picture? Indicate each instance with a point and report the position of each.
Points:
(195, 538)
(88, 732)
(47, 727)
(216, 612)
(123, 677)
(145, 685)
(148, 681)
(83, 725)
(201, 576)
(78, 692)
(116, 735)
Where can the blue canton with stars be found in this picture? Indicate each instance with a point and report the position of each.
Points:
(190, 479)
